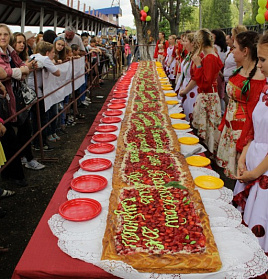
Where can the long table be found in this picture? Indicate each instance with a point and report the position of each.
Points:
(42, 257)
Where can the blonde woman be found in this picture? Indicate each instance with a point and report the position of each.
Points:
(207, 110)
(186, 86)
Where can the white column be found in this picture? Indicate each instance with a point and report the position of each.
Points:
(77, 21)
(55, 21)
(41, 19)
(83, 25)
(66, 20)
(23, 13)
(95, 28)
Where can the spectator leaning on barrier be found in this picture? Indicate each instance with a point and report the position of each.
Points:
(18, 42)
(72, 38)
(44, 55)
(30, 39)
(60, 50)
(95, 53)
(15, 70)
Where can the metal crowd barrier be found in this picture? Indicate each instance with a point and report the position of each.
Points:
(91, 83)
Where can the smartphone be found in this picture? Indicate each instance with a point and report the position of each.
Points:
(32, 59)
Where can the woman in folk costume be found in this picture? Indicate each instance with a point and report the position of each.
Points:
(251, 189)
(207, 110)
(161, 48)
(170, 61)
(243, 89)
(186, 86)
(181, 54)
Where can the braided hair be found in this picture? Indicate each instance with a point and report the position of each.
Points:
(248, 39)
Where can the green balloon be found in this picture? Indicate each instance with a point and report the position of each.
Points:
(262, 3)
(148, 18)
(146, 9)
(261, 10)
(260, 18)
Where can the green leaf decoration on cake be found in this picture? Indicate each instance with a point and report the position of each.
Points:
(175, 184)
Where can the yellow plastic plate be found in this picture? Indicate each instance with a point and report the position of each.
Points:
(208, 182)
(181, 126)
(166, 87)
(171, 94)
(188, 140)
(198, 161)
(172, 102)
(177, 115)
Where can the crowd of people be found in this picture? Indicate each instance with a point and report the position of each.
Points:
(23, 56)
(221, 82)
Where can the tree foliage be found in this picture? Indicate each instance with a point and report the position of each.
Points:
(216, 14)
(176, 12)
(146, 31)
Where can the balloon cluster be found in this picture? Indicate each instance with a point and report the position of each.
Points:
(144, 15)
(262, 15)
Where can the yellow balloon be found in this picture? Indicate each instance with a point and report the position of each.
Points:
(262, 3)
(146, 9)
(260, 18)
(261, 10)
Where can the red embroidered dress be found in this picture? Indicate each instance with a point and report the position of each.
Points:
(252, 197)
(236, 121)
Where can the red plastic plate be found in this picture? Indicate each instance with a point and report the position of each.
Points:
(89, 183)
(106, 128)
(116, 106)
(104, 137)
(100, 148)
(80, 209)
(111, 119)
(125, 89)
(118, 101)
(120, 95)
(120, 91)
(96, 164)
(114, 112)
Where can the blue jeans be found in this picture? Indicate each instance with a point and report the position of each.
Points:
(129, 59)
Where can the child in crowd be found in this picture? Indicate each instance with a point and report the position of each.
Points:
(127, 52)
(84, 99)
(207, 110)
(44, 55)
(161, 53)
(60, 50)
(251, 192)
(69, 53)
(75, 50)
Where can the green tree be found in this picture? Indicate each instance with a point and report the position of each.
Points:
(146, 31)
(174, 11)
(216, 14)
(255, 7)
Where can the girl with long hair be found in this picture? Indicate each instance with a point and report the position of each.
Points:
(250, 192)
(244, 88)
